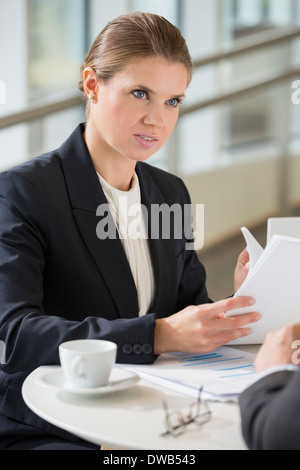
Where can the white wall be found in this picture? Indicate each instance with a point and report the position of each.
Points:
(245, 194)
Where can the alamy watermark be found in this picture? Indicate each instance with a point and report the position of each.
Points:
(2, 352)
(2, 92)
(296, 93)
(159, 221)
(296, 354)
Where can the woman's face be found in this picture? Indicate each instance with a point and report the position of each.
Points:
(136, 111)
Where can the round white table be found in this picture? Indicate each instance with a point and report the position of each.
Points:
(132, 418)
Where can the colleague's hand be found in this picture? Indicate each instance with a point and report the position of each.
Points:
(241, 269)
(203, 328)
(278, 348)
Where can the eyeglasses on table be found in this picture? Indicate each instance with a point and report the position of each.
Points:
(176, 422)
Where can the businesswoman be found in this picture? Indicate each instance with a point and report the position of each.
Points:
(65, 273)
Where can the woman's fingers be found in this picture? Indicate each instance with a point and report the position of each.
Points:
(202, 328)
(230, 323)
(226, 305)
(219, 329)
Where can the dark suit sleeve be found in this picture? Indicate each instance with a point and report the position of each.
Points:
(270, 412)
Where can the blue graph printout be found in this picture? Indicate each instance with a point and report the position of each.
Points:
(223, 373)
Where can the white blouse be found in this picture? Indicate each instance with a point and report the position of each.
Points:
(125, 207)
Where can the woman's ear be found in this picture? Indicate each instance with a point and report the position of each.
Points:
(90, 83)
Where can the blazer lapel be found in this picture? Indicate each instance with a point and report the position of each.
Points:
(86, 195)
(162, 250)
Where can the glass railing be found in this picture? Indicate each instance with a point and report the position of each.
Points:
(240, 118)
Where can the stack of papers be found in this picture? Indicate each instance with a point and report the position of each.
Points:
(223, 373)
(274, 281)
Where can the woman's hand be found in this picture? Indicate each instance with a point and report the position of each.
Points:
(278, 348)
(203, 328)
(241, 269)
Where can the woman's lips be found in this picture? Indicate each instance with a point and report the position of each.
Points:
(146, 141)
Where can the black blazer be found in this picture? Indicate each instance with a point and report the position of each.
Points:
(270, 412)
(59, 281)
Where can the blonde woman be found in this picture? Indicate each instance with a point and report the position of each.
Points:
(70, 264)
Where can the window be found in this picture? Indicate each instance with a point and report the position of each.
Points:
(45, 49)
(50, 38)
(246, 128)
(56, 46)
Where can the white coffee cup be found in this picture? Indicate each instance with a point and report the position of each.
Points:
(87, 363)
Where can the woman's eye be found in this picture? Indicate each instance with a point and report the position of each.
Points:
(140, 94)
(173, 102)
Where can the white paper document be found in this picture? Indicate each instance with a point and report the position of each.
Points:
(274, 281)
(223, 373)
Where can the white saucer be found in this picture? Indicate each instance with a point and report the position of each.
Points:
(118, 380)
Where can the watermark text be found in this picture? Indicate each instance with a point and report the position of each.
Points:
(296, 93)
(2, 92)
(160, 221)
(296, 354)
(2, 352)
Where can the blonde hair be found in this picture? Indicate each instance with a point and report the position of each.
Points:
(135, 36)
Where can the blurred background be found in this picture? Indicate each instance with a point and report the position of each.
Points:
(237, 142)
